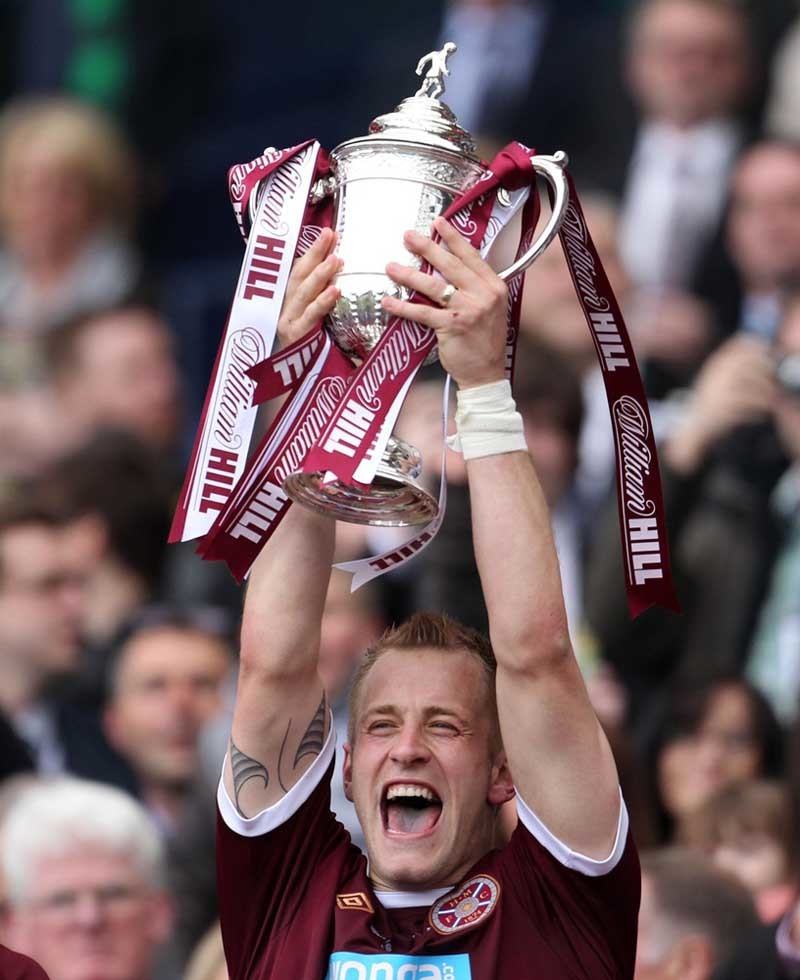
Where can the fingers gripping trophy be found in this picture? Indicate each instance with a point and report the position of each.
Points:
(415, 165)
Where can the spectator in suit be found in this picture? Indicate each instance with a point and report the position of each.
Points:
(41, 610)
(165, 683)
(690, 918)
(763, 234)
(116, 369)
(533, 70)
(83, 869)
(689, 69)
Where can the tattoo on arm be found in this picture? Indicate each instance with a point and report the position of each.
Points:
(244, 768)
(313, 740)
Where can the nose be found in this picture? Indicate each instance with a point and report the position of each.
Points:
(408, 747)
(89, 913)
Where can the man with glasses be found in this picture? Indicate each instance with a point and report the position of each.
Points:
(82, 866)
(41, 612)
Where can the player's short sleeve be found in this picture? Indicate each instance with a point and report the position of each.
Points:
(15, 966)
(591, 905)
(266, 863)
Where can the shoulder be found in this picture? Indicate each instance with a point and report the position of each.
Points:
(15, 966)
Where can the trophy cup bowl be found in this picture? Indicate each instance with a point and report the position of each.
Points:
(416, 161)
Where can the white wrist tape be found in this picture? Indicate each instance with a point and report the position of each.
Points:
(487, 422)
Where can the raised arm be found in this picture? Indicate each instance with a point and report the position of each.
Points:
(559, 757)
(281, 715)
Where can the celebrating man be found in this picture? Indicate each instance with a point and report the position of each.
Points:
(441, 734)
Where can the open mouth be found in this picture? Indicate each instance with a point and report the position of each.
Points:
(410, 809)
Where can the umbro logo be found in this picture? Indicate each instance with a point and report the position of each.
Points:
(354, 902)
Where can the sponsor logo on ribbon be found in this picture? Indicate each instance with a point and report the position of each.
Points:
(641, 526)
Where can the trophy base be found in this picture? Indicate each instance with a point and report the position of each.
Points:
(392, 500)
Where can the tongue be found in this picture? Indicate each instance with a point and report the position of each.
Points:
(408, 820)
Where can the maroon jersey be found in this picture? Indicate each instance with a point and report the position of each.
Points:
(296, 903)
(15, 966)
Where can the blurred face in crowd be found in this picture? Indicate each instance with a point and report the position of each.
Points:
(46, 205)
(688, 62)
(423, 771)
(125, 376)
(662, 953)
(758, 860)
(168, 685)
(764, 222)
(41, 600)
(89, 915)
(787, 405)
(723, 750)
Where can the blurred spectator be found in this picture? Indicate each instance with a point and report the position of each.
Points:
(783, 104)
(706, 738)
(689, 69)
(116, 369)
(763, 233)
(774, 663)
(748, 830)
(41, 610)
(66, 202)
(115, 504)
(770, 953)
(165, 684)
(83, 869)
(528, 70)
(690, 919)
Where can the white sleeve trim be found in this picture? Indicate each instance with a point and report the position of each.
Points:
(277, 814)
(565, 855)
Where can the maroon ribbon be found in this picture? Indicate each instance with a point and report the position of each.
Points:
(641, 507)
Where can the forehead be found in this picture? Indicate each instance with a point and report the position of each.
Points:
(415, 678)
(772, 169)
(686, 20)
(83, 866)
(172, 650)
(29, 549)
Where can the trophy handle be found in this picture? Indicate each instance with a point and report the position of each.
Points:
(552, 169)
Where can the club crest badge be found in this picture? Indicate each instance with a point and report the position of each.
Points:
(475, 901)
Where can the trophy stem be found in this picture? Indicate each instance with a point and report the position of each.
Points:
(394, 499)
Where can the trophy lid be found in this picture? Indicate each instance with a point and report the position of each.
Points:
(422, 118)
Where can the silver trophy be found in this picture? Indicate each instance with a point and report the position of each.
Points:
(416, 161)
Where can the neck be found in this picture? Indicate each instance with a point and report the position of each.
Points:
(167, 800)
(19, 688)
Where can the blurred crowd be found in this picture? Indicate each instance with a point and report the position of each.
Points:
(118, 256)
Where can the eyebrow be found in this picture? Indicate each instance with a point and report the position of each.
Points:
(429, 712)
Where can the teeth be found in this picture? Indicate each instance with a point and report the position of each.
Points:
(404, 789)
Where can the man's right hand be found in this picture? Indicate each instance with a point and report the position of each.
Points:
(310, 292)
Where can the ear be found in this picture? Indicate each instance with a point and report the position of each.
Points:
(162, 917)
(347, 771)
(501, 786)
